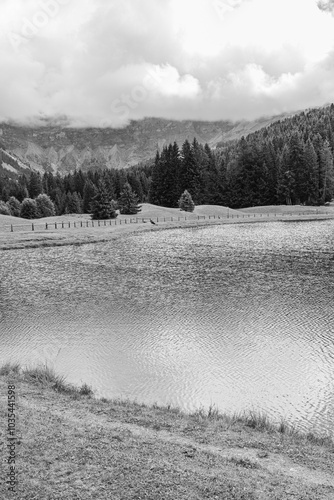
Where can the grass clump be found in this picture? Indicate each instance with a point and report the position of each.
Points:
(86, 390)
(46, 377)
(9, 369)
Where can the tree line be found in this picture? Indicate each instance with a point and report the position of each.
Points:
(289, 162)
(99, 192)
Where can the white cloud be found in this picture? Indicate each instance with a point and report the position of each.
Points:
(108, 61)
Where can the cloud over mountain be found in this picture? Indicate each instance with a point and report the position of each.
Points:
(104, 62)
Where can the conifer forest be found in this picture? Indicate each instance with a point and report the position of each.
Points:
(289, 162)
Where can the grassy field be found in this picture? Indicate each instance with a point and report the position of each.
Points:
(76, 229)
(71, 445)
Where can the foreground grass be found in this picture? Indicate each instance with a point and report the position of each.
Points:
(71, 445)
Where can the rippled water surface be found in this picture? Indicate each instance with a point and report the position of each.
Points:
(236, 315)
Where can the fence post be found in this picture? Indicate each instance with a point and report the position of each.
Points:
(75, 224)
(11, 228)
(87, 223)
(46, 225)
(56, 227)
(69, 224)
(62, 225)
(32, 227)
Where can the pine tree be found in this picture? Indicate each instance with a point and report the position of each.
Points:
(102, 206)
(35, 186)
(326, 174)
(73, 203)
(186, 202)
(296, 165)
(128, 201)
(89, 192)
(310, 181)
(155, 191)
(189, 176)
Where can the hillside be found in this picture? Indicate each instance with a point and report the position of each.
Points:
(71, 445)
(63, 149)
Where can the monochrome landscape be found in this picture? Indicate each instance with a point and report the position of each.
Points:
(167, 249)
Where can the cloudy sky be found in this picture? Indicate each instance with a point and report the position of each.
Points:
(104, 62)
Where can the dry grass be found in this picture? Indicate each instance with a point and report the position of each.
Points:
(290, 209)
(165, 218)
(77, 447)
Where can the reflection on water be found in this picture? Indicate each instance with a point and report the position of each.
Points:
(240, 316)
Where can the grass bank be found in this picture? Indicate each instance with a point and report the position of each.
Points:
(71, 445)
(73, 230)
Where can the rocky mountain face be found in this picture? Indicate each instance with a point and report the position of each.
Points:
(63, 149)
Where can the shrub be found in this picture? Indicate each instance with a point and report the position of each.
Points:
(45, 206)
(186, 202)
(4, 209)
(14, 206)
(29, 209)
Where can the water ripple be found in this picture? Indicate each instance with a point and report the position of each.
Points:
(240, 316)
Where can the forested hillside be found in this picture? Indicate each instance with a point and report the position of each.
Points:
(288, 162)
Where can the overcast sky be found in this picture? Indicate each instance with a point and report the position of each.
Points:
(104, 62)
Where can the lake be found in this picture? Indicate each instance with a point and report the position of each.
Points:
(240, 316)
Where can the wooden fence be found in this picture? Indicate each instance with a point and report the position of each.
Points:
(154, 220)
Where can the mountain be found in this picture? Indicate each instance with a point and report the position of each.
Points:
(56, 148)
(12, 164)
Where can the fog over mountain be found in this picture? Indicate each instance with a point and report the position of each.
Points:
(62, 149)
(103, 63)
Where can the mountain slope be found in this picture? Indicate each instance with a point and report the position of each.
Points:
(60, 149)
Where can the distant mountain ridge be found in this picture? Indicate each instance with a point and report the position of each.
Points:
(54, 148)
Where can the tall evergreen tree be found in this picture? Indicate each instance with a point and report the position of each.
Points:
(186, 202)
(35, 186)
(89, 192)
(155, 192)
(128, 201)
(310, 179)
(102, 206)
(189, 176)
(326, 174)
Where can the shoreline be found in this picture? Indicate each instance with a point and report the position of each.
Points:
(72, 445)
(82, 236)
